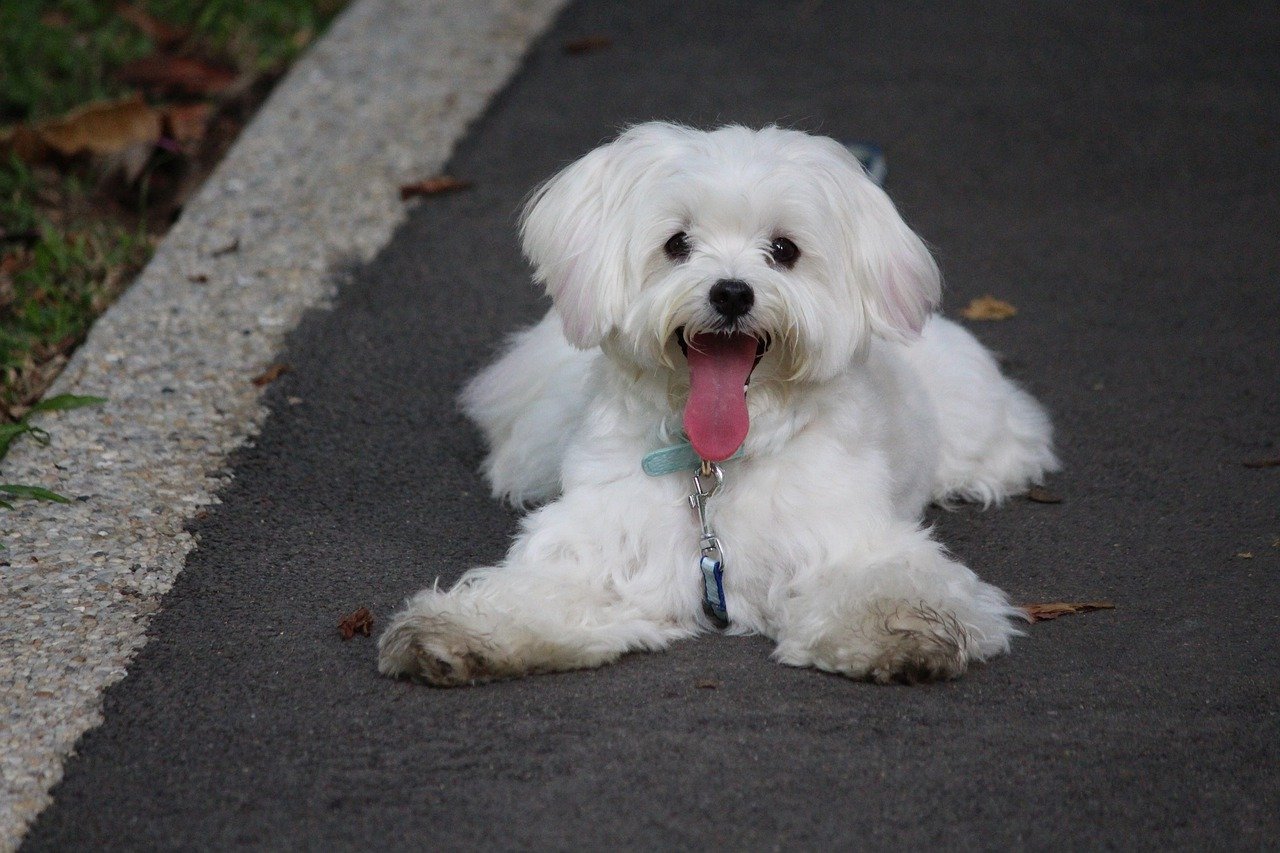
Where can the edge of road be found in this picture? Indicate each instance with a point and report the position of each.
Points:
(310, 186)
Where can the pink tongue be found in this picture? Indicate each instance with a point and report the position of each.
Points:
(715, 418)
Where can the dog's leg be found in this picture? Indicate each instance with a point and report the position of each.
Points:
(577, 590)
(897, 610)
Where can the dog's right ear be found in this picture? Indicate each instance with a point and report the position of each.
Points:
(577, 231)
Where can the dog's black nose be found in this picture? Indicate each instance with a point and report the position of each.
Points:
(731, 297)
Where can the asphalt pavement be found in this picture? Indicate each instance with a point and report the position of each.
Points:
(1109, 168)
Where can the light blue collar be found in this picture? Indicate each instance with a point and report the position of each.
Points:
(677, 457)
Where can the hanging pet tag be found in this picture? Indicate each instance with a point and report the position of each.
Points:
(711, 562)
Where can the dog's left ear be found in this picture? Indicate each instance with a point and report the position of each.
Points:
(894, 273)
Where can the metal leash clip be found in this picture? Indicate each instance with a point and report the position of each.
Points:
(712, 560)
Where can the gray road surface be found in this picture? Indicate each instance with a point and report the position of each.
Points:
(1110, 168)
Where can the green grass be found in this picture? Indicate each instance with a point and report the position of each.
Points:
(55, 54)
(62, 282)
(66, 251)
(47, 67)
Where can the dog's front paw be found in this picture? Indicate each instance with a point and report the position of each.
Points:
(917, 643)
(430, 648)
(888, 642)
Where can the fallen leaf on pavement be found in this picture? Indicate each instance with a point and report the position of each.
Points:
(988, 308)
(708, 684)
(359, 622)
(1045, 612)
(1273, 462)
(1245, 555)
(178, 75)
(1041, 495)
(271, 374)
(433, 186)
(587, 44)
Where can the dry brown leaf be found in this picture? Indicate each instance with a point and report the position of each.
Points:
(1245, 555)
(1272, 462)
(103, 128)
(586, 44)
(178, 75)
(186, 123)
(359, 622)
(271, 374)
(988, 308)
(14, 262)
(1041, 495)
(25, 144)
(433, 186)
(1045, 612)
(161, 32)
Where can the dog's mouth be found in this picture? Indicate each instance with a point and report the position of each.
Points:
(720, 365)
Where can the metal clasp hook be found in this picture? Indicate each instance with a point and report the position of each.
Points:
(702, 494)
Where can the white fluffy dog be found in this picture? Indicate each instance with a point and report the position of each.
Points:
(755, 293)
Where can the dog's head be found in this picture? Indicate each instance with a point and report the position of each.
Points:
(772, 232)
(671, 239)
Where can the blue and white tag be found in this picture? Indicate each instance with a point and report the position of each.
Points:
(713, 603)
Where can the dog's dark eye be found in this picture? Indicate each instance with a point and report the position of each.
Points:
(678, 247)
(784, 252)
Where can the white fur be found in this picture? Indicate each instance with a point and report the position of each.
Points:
(865, 409)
